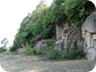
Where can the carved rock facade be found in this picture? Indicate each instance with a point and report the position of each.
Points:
(89, 35)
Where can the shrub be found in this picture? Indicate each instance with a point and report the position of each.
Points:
(50, 45)
(2, 50)
(13, 48)
(55, 54)
(31, 51)
(73, 53)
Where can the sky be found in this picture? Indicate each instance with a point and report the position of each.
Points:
(94, 1)
(12, 12)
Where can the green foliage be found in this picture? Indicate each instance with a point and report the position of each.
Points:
(13, 48)
(55, 55)
(50, 46)
(51, 43)
(77, 11)
(73, 53)
(31, 51)
(2, 50)
(41, 23)
(34, 25)
(58, 11)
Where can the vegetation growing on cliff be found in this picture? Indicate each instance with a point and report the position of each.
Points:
(40, 24)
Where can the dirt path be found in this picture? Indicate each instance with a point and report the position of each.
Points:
(19, 63)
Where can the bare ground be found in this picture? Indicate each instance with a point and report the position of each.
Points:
(21, 63)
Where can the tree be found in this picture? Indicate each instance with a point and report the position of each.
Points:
(4, 42)
(41, 23)
(77, 11)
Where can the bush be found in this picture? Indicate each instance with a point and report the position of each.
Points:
(31, 51)
(2, 50)
(73, 53)
(55, 54)
(50, 45)
(13, 48)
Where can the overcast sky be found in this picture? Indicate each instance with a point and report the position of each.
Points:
(12, 13)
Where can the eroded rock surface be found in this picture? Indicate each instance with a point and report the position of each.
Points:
(89, 35)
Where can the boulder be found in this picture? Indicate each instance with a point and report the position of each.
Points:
(42, 45)
(61, 43)
(91, 53)
(20, 50)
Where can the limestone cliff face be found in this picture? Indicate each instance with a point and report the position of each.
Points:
(90, 24)
(59, 28)
(70, 37)
(89, 35)
(89, 30)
